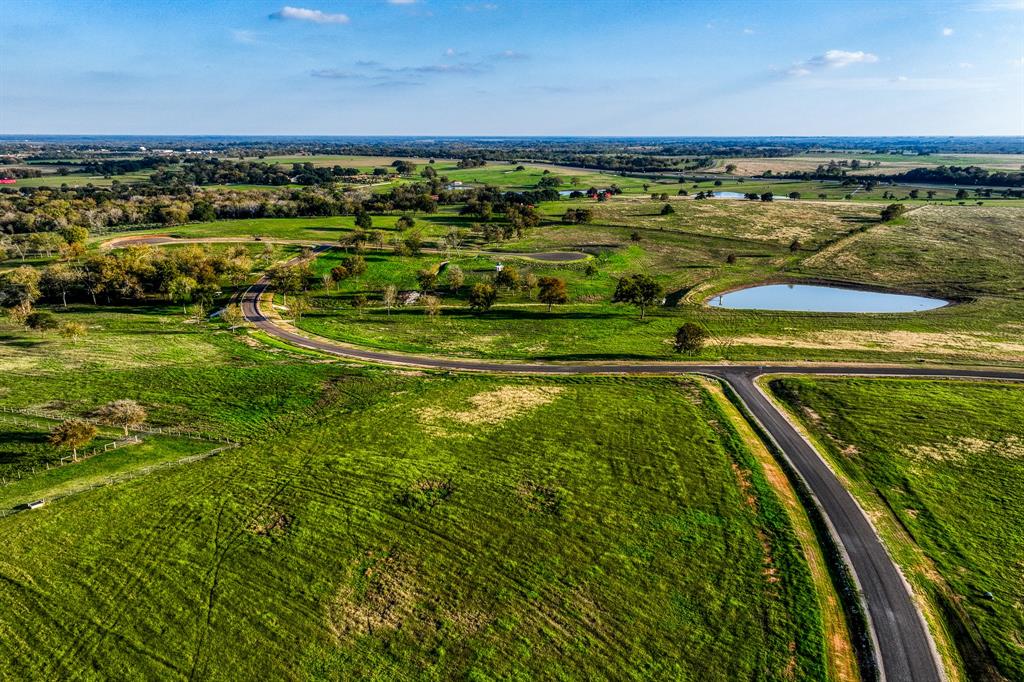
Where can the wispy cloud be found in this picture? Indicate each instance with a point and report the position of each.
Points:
(244, 36)
(312, 15)
(480, 7)
(452, 52)
(402, 2)
(947, 32)
(510, 55)
(832, 59)
(748, 31)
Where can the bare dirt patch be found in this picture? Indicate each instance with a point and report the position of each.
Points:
(269, 523)
(957, 449)
(489, 408)
(379, 593)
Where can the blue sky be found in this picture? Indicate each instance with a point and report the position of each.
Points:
(498, 67)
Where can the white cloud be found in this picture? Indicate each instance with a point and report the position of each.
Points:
(832, 59)
(401, 2)
(511, 55)
(313, 15)
(947, 32)
(748, 31)
(1018, 62)
(481, 7)
(966, 65)
(245, 37)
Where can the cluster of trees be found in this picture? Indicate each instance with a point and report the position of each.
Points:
(941, 175)
(76, 432)
(892, 212)
(577, 216)
(188, 275)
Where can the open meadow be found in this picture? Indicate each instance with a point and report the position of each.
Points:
(385, 521)
(939, 467)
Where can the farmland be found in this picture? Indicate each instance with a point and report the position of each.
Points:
(376, 521)
(359, 496)
(944, 491)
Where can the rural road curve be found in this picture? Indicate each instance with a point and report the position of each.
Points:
(904, 648)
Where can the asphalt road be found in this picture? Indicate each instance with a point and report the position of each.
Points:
(903, 646)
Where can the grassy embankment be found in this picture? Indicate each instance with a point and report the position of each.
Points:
(939, 465)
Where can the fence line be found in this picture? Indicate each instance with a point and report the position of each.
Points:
(12, 414)
(155, 430)
(127, 476)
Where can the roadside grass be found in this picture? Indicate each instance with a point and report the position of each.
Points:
(940, 467)
(382, 522)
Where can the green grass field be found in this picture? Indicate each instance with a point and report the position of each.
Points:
(964, 254)
(383, 523)
(945, 461)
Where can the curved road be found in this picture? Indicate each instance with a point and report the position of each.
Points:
(903, 646)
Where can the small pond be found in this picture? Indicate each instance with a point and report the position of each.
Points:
(818, 299)
(740, 195)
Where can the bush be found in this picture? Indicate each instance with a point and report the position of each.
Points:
(41, 321)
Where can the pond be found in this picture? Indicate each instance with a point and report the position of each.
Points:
(740, 195)
(819, 299)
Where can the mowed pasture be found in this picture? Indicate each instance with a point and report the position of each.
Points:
(939, 465)
(380, 522)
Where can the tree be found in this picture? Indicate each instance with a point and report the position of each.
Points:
(41, 321)
(180, 290)
(390, 297)
(639, 290)
(431, 305)
(455, 277)
(18, 286)
(730, 168)
(73, 331)
(690, 338)
(482, 296)
(635, 237)
(667, 209)
(795, 246)
(72, 434)
(287, 278)
(426, 278)
(233, 316)
(508, 277)
(125, 413)
(58, 278)
(414, 243)
(961, 194)
(339, 273)
(356, 265)
(298, 307)
(552, 290)
(892, 212)
(363, 220)
(405, 222)
(529, 283)
(794, 195)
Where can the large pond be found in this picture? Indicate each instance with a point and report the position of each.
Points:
(818, 299)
